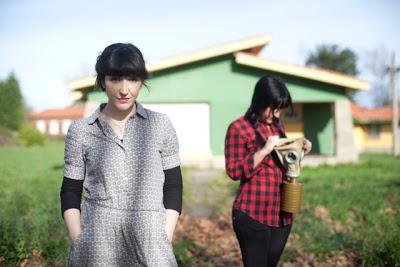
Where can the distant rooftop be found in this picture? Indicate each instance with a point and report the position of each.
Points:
(74, 112)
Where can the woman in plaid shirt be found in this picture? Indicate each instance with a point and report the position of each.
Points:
(261, 227)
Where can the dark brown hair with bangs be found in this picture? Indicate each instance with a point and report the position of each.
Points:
(120, 59)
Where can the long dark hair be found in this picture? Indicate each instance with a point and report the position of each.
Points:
(120, 60)
(270, 91)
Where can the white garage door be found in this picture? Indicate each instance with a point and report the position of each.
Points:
(192, 125)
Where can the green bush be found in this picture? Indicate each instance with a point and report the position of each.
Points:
(29, 136)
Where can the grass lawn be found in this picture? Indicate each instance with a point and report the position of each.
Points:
(351, 209)
(30, 219)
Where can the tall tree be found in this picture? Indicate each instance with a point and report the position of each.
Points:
(334, 58)
(11, 103)
(376, 63)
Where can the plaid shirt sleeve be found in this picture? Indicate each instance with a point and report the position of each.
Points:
(239, 161)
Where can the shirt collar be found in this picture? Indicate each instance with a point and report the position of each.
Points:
(140, 110)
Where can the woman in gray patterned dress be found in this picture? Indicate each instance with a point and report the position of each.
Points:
(126, 159)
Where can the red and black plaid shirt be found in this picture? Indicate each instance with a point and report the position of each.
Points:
(259, 194)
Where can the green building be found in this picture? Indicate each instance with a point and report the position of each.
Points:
(203, 91)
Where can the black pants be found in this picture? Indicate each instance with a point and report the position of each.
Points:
(260, 245)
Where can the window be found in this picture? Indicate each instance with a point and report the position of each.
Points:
(374, 131)
(296, 116)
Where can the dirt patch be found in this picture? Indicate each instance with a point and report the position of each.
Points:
(214, 241)
(334, 226)
(36, 259)
(388, 211)
(7, 137)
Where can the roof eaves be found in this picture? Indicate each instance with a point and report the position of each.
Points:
(301, 71)
(252, 44)
(370, 121)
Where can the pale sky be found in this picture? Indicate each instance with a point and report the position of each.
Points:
(46, 43)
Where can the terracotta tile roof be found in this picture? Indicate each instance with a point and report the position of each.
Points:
(63, 113)
(371, 114)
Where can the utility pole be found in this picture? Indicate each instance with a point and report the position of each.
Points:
(395, 105)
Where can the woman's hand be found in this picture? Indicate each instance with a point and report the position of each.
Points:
(271, 143)
(170, 235)
(171, 218)
(74, 235)
(73, 222)
(307, 145)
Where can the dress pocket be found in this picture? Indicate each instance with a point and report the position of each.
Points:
(165, 236)
(76, 241)
(83, 228)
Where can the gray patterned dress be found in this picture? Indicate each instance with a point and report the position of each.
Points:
(122, 216)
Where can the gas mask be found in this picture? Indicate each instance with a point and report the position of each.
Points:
(290, 153)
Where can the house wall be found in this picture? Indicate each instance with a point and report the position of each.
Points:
(381, 143)
(319, 127)
(53, 127)
(294, 129)
(227, 88)
(344, 141)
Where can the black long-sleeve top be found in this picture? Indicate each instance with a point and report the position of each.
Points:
(71, 191)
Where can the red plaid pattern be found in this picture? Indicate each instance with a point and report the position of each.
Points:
(259, 194)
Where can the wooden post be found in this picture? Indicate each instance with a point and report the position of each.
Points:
(395, 115)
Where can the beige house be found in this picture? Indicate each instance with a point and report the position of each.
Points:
(372, 129)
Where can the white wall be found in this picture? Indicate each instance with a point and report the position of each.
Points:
(54, 128)
(41, 126)
(65, 125)
(192, 125)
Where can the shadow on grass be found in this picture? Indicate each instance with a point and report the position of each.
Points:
(395, 182)
(58, 167)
